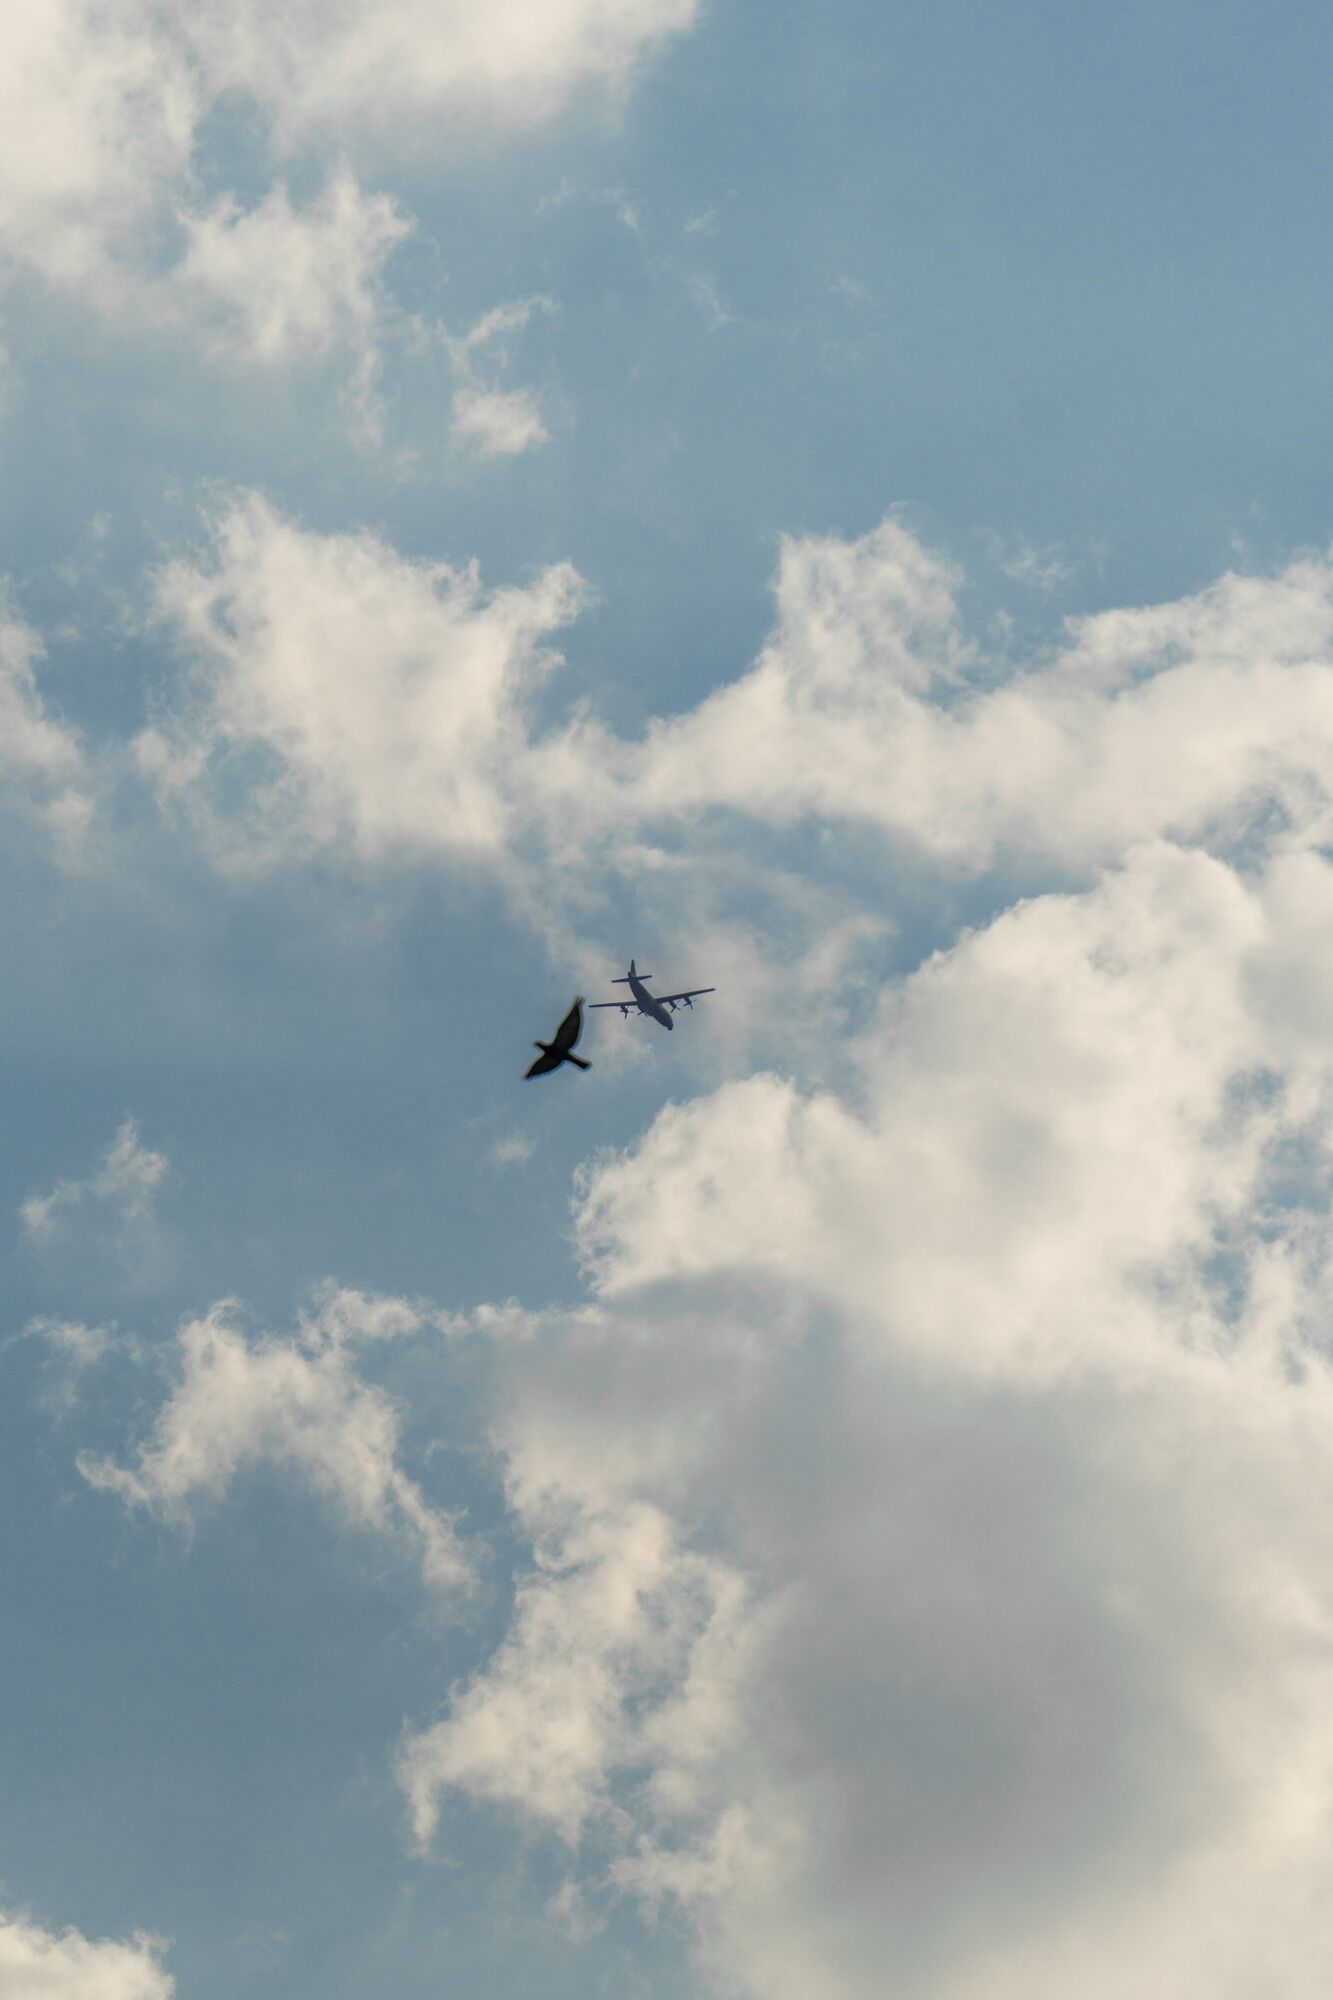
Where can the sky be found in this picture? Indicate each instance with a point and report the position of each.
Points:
(831, 503)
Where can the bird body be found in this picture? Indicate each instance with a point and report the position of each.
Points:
(559, 1050)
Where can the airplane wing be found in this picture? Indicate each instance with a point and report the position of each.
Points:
(632, 1006)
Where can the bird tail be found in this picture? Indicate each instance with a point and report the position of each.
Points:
(580, 1061)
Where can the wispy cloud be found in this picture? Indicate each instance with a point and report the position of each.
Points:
(73, 1352)
(499, 422)
(124, 1185)
(1023, 562)
(626, 212)
(30, 740)
(715, 312)
(513, 1150)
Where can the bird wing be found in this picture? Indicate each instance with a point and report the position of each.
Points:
(543, 1064)
(568, 1032)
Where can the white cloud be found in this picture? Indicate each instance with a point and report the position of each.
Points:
(981, 1428)
(36, 1964)
(615, 1614)
(80, 1347)
(343, 695)
(381, 699)
(511, 317)
(390, 698)
(954, 1458)
(97, 114)
(100, 107)
(30, 741)
(495, 422)
(715, 313)
(928, 1527)
(1172, 720)
(280, 284)
(125, 1184)
(102, 103)
(1024, 562)
(513, 1150)
(1049, 1111)
(499, 422)
(295, 1402)
(73, 1352)
(324, 62)
(41, 764)
(928, 1519)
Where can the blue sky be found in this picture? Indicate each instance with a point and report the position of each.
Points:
(831, 502)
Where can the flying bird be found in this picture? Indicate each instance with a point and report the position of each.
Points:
(559, 1051)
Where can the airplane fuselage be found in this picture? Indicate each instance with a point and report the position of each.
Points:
(647, 1004)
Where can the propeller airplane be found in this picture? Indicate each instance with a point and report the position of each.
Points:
(658, 1007)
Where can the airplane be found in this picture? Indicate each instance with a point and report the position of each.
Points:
(654, 1005)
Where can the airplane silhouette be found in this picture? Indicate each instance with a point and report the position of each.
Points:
(555, 1052)
(654, 1005)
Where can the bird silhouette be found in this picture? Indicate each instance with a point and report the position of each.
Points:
(555, 1052)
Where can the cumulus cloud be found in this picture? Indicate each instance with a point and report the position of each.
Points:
(376, 699)
(1049, 1112)
(928, 1579)
(928, 1532)
(102, 103)
(298, 1401)
(992, 1394)
(37, 1964)
(280, 283)
(1209, 720)
(97, 114)
(122, 1187)
(337, 695)
(871, 705)
(588, 1679)
(318, 62)
(962, 1448)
